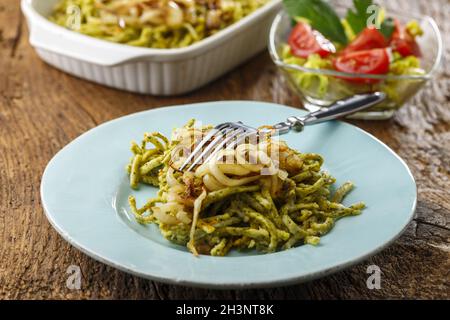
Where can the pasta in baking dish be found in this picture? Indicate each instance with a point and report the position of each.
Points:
(152, 23)
(264, 195)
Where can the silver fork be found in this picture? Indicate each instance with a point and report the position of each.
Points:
(230, 134)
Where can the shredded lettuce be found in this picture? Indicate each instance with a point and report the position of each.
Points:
(314, 61)
(308, 80)
(414, 29)
(405, 65)
(398, 90)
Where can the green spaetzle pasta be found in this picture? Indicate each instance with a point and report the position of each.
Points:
(151, 23)
(235, 207)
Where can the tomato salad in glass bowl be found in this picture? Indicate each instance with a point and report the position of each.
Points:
(331, 52)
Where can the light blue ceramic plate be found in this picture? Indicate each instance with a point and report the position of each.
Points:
(85, 188)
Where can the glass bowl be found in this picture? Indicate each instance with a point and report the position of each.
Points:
(399, 88)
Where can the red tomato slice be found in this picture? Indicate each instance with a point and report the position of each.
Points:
(369, 38)
(374, 61)
(305, 41)
(403, 42)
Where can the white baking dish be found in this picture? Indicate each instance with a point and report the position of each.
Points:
(146, 70)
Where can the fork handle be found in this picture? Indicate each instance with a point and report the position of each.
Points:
(344, 107)
(336, 110)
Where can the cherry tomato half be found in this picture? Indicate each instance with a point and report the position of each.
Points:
(304, 41)
(369, 38)
(374, 61)
(403, 42)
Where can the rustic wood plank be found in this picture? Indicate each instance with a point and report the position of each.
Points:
(42, 109)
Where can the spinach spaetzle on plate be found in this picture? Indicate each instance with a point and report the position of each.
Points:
(264, 195)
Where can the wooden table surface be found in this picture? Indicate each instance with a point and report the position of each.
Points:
(43, 109)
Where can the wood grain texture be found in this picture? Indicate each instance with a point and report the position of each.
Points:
(43, 109)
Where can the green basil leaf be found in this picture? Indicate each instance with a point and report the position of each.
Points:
(320, 15)
(387, 27)
(357, 19)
